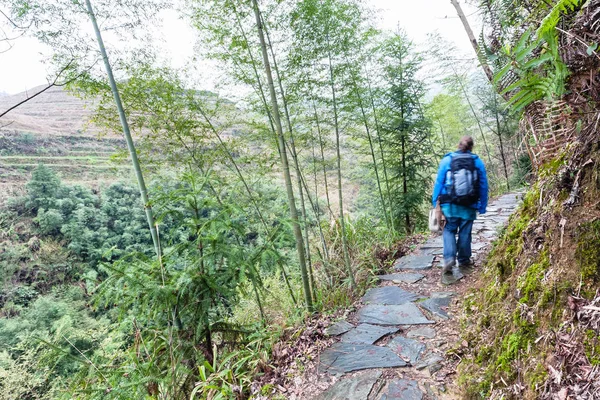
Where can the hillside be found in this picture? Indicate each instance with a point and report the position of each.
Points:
(54, 129)
(54, 112)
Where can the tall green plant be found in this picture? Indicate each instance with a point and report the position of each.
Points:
(407, 132)
(284, 160)
(132, 152)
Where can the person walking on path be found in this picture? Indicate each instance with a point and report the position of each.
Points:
(461, 188)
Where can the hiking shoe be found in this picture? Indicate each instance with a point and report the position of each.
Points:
(467, 268)
(448, 267)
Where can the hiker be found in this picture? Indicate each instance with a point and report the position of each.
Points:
(461, 188)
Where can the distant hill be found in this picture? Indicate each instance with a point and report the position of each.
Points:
(54, 129)
(52, 112)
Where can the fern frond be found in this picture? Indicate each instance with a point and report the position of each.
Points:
(549, 23)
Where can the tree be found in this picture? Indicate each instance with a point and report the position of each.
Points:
(406, 132)
(53, 23)
(284, 160)
(132, 152)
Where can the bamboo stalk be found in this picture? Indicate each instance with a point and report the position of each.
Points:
(126, 133)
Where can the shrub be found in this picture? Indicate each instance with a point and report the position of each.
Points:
(49, 222)
(42, 189)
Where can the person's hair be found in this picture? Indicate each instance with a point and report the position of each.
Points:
(466, 143)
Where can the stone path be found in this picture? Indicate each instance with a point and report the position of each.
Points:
(395, 346)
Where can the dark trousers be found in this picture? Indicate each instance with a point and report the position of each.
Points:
(460, 249)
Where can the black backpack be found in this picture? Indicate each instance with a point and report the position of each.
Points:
(462, 180)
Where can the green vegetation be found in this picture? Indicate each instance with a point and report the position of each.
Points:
(588, 251)
(261, 210)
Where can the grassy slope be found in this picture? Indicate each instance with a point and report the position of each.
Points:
(524, 324)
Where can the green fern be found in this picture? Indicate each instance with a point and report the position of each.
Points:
(549, 23)
(533, 69)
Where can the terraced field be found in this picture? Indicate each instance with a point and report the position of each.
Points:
(85, 160)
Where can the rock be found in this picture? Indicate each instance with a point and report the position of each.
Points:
(435, 368)
(407, 277)
(450, 279)
(354, 387)
(388, 295)
(437, 241)
(401, 389)
(367, 334)
(345, 357)
(423, 332)
(430, 391)
(408, 349)
(478, 246)
(432, 251)
(414, 262)
(437, 304)
(405, 314)
(433, 363)
(338, 328)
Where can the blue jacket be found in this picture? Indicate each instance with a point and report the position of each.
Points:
(440, 183)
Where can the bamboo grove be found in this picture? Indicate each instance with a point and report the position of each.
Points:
(264, 203)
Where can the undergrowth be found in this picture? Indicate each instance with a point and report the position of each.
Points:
(547, 255)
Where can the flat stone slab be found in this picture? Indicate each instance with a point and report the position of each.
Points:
(407, 277)
(367, 334)
(437, 304)
(338, 328)
(388, 295)
(423, 332)
(433, 363)
(476, 246)
(450, 279)
(432, 251)
(354, 387)
(345, 357)
(404, 314)
(401, 389)
(432, 245)
(408, 349)
(412, 262)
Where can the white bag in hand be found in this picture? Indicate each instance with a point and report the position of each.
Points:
(434, 223)
(436, 219)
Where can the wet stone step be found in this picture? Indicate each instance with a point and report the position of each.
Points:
(422, 332)
(367, 333)
(450, 279)
(406, 277)
(338, 328)
(413, 262)
(401, 389)
(404, 314)
(344, 357)
(410, 350)
(388, 295)
(355, 387)
(432, 251)
(433, 363)
(476, 246)
(438, 304)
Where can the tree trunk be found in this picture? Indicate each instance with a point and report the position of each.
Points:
(339, 169)
(472, 108)
(322, 147)
(380, 144)
(296, 162)
(405, 186)
(371, 148)
(284, 162)
(472, 38)
(502, 155)
(126, 133)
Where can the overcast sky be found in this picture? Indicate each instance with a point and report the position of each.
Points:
(21, 67)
